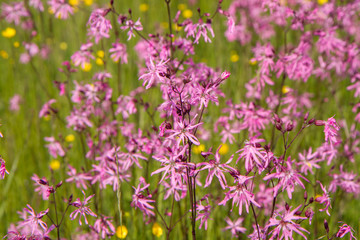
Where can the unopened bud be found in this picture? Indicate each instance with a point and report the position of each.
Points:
(311, 200)
(267, 147)
(277, 119)
(326, 225)
(70, 198)
(306, 116)
(287, 207)
(298, 212)
(278, 126)
(305, 195)
(59, 184)
(320, 122)
(258, 145)
(289, 127)
(311, 121)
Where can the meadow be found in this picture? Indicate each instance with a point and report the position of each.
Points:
(170, 119)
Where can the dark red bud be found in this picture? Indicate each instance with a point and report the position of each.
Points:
(305, 195)
(278, 126)
(298, 213)
(311, 121)
(59, 184)
(43, 182)
(311, 200)
(287, 207)
(289, 127)
(326, 225)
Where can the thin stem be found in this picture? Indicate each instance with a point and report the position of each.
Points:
(170, 27)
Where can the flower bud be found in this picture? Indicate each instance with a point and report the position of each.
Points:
(311, 121)
(277, 119)
(320, 122)
(311, 200)
(278, 126)
(59, 184)
(287, 207)
(306, 116)
(305, 195)
(289, 127)
(326, 225)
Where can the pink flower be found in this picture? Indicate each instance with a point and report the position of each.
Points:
(46, 110)
(139, 200)
(203, 212)
(215, 168)
(15, 103)
(60, 8)
(99, 25)
(324, 199)
(240, 195)
(104, 227)
(253, 154)
(83, 56)
(308, 161)
(118, 51)
(33, 222)
(129, 24)
(2, 168)
(14, 12)
(54, 147)
(156, 72)
(82, 209)
(79, 178)
(235, 227)
(286, 225)
(288, 178)
(331, 131)
(344, 229)
(37, 4)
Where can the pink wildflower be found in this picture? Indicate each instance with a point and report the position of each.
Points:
(235, 227)
(60, 8)
(139, 200)
(286, 225)
(82, 209)
(129, 24)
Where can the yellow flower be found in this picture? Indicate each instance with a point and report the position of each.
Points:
(99, 61)
(8, 32)
(100, 53)
(121, 232)
(198, 149)
(144, 7)
(187, 13)
(54, 165)
(224, 149)
(4, 54)
(176, 27)
(63, 46)
(322, 2)
(88, 2)
(285, 89)
(234, 57)
(157, 230)
(87, 67)
(74, 2)
(70, 138)
(182, 6)
(252, 62)
(16, 44)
